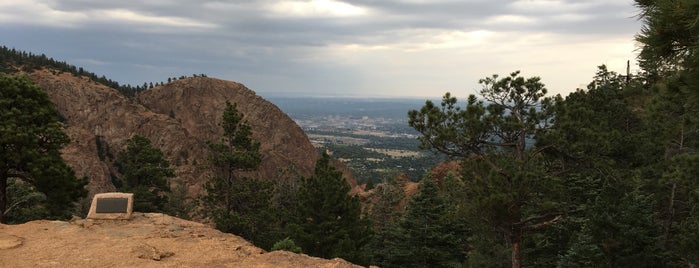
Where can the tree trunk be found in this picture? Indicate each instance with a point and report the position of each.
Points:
(670, 215)
(516, 240)
(3, 198)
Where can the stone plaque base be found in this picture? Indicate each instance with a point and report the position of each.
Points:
(111, 206)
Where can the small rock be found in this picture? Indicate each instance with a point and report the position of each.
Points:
(145, 251)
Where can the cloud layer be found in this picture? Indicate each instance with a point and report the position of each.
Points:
(329, 47)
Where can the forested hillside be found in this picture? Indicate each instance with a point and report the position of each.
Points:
(13, 60)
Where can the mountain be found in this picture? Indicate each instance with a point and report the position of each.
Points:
(146, 240)
(178, 117)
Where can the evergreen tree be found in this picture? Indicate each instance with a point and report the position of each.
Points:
(180, 204)
(583, 253)
(604, 147)
(235, 203)
(427, 235)
(145, 173)
(288, 245)
(669, 37)
(669, 58)
(30, 139)
(285, 199)
(25, 203)
(510, 188)
(385, 214)
(329, 221)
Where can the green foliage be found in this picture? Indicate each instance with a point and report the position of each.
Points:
(369, 185)
(288, 245)
(513, 115)
(251, 215)
(583, 253)
(596, 127)
(427, 235)
(179, 203)
(385, 214)
(604, 146)
(329, 222)
(669, 36)
(238, 204)
(285, 199)
(24, 203)
(16, 61)
(145, 173)
(30, 140)
(237, 151)
(367, 164)
(506, 182)
(681, 213)
(670, 61)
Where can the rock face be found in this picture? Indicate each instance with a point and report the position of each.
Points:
(146, 240)
(197, 104)
(179, 118)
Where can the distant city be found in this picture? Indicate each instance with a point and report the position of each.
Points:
(371, 136)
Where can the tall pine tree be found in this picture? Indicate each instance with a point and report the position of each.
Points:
(145, 173)
(235, 203)
(510, 190)
(329, 222)
(427, 235)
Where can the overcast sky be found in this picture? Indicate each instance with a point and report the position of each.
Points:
(360, 48)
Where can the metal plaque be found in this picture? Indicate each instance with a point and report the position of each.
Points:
(112, 205)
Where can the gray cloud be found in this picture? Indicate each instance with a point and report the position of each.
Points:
(275, 46)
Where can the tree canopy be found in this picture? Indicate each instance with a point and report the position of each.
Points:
(145, 173)
(507, 183)
(31, 137)
(329, 221)
(239, 204)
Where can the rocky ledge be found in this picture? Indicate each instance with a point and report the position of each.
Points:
(145, 240)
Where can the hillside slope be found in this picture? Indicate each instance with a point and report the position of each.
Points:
(179, 118)
(147, 240)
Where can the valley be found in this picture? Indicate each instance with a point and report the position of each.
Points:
(371, 136)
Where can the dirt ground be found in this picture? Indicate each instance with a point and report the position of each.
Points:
(146, 240)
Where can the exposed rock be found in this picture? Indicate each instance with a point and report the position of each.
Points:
(147, 240)
(442, 170)
(371, 197)
(9, 241)
(145, 251)
(179, 118)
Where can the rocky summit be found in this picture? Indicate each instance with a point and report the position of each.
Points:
(179, 117)
(146, 240)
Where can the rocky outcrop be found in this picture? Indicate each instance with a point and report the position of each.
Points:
(197, 104)
(179, 118)
(146, 240)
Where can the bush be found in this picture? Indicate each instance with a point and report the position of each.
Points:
(288, 245)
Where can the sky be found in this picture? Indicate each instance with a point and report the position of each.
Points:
(332, 48)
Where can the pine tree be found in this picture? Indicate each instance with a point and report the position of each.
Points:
(145, 173)
(583, 253)
(329, 222)
(30, 139)
(235, 203)
(427, 235)
(510, 188)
